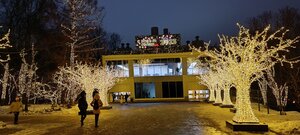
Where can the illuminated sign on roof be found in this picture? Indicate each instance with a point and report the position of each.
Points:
(155, 41)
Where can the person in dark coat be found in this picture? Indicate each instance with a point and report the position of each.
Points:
(82, 105)
(113, 96)
(96, 104)
(126, 97)
(95, 92)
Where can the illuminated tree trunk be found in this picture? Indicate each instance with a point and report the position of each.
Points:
(218, 96)
(263, 86)
(227, 100)
(72, 55)
(22, 77)
(4, 82)
(212, 96)
(105, 101)
(244, 113)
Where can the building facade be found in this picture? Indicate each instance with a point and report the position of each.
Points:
(157, 77)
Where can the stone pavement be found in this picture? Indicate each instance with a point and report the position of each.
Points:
(127, 119)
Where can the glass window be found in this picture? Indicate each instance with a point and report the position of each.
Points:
(121, 65)
(194, 67)
(198, 95)
(172, 89)
(157, 67)
(144, 90)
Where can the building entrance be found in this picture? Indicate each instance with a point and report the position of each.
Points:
(118, 96)
(198, 95)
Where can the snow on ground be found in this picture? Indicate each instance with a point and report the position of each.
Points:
(35, 110)
(41, 109)
(278, 124)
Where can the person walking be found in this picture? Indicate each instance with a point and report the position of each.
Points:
(96, 104)
(121, 98)
(126, 98)
(82, 105)
(113, 96)
(15, 107)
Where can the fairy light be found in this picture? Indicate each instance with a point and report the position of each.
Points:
(5, 80)
(87, 77)
(218, 95)
(143, 62)
(247, 57)
(225, 80)
(4, 41)
(263, 86)
(226, 100)
(79, 27)
(280, 92)
(208, 80)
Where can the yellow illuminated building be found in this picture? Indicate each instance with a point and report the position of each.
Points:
(157, 77)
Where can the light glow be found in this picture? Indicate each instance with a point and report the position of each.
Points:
(87, 77)
(247, 57)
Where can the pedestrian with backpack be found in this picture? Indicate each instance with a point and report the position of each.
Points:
(96, 104)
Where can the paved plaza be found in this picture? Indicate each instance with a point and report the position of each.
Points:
(128, 119)
(177, 118)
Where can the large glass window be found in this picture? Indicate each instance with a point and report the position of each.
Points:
(172, 89)
(121, 65)
(198, 95)
(195, 67)
(157, 67)
(144, 90)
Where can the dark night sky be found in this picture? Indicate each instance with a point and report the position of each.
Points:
(205, 18)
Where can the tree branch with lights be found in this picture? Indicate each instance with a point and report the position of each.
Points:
(82, 18)
(86, 77)
(5, 43)
(248, 57)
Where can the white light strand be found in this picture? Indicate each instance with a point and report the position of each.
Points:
(77, 31)
(4, 43)
(247, 57)
(87, 77)
(4, 80)
(280, 92)
(263, 86)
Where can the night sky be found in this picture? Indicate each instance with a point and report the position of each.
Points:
(190, 18)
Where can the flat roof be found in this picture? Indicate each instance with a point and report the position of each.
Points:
(150, 56)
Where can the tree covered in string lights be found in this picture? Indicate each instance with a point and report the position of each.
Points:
(86, 77)
(225, 82)
(248, 57)
(263, 86)
(209, 80)
(216, 79)
(5, 43)
(82, 17)
(279, 91)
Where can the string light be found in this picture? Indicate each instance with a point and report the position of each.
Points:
(87, 77)
(280, 92)
(246, 58)
(4, 41)
(263, 86)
